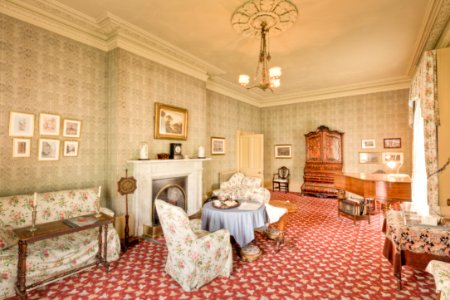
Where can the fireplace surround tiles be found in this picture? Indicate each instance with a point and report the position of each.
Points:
(149, 172)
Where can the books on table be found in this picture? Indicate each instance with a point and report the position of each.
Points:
(80, 221)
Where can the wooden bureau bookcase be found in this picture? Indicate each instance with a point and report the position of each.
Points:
(324, 158)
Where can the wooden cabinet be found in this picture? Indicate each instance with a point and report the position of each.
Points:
(324, 158)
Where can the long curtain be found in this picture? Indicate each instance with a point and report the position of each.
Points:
(419, 178)
(423, 95)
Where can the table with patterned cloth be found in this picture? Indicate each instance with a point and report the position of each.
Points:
(240, 221)
(414, 245)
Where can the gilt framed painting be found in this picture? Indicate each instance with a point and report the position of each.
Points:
(170, 122)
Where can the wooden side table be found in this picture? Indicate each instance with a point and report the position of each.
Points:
(281, 224)
(53, 229)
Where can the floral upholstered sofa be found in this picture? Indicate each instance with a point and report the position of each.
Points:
(55, 255)
(242, 187)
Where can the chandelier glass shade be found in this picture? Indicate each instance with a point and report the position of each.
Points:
(258, 17)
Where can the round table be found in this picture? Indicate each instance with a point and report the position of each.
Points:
(240, 222)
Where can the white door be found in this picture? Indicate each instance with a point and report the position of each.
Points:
(251, 155)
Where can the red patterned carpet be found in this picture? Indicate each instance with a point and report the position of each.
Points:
(326, 258)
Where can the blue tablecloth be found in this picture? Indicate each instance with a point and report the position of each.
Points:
(240, 223)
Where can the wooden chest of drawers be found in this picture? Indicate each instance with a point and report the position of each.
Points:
(324, 158)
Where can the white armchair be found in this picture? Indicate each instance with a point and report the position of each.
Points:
(195, 257)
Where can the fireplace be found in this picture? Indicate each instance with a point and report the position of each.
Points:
(173, 191)
(151, 176)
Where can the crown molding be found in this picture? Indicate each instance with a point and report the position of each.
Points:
(111, 32)
(221, 86)
(48, 15)
(106, 34)
(433, 28)
(444, 40)
(338, 92)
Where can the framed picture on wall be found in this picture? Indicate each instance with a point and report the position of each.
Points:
(72, 128)
(21, 124)
(369, 157)
(392, 157)
(368, 144)
(392, 143)
(170, 122)
(48, 149)
(283, 151)
(21, 147)
(217, 145)
(70, 148)
(49, 124)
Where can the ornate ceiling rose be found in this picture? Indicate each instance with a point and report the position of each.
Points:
(278, 16)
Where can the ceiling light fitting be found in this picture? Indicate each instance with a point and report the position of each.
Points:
(257, 17)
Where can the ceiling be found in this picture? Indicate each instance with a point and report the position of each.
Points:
(332, 44)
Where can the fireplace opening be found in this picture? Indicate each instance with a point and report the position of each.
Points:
(171, 190)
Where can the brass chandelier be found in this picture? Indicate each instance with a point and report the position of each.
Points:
(258, 17)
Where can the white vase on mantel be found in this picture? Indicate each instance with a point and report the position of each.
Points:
(143, 151)
(201, 152)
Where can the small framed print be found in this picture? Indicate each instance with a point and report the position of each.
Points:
(369, 157)
(72, 128)
(396, 157)
(392, 143)
(48, 149)
(21, 147)
(21, 124)
(217, 145)
(70, 148)
(368, 144)
(283, 151)
(49, 124)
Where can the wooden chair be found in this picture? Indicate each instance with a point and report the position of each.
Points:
(280, 180)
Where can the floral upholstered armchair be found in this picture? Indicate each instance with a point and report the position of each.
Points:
(242, 187)
(195, 257)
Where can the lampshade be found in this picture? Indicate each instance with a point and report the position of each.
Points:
(275, 72)
(244, 79)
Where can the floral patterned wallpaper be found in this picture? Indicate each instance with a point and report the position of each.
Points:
(225, 116)
(114, 94)
(43, 72)
(371, 116)
(134, 85)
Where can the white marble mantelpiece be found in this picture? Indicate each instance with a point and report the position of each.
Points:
(145, 171)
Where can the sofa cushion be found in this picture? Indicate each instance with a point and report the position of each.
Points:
(251, 182)
(7, 237)
(235, 180)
